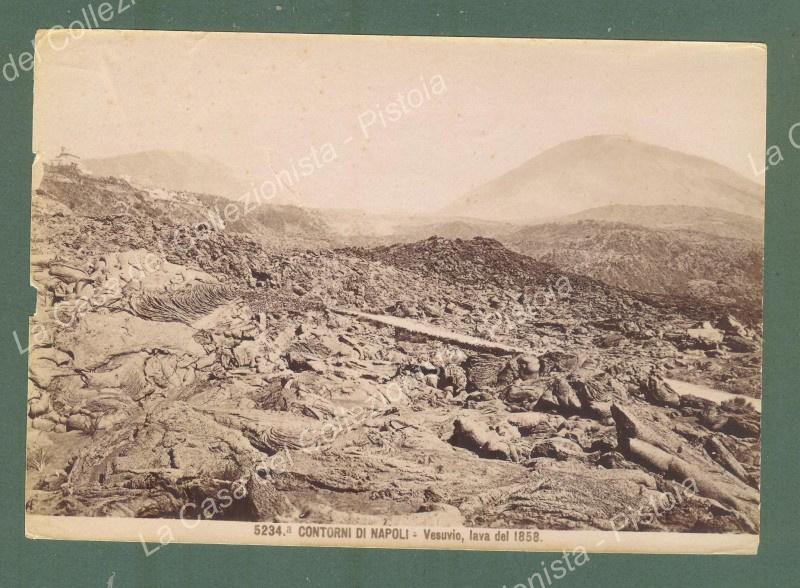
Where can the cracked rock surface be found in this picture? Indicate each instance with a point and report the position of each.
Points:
(412, 384)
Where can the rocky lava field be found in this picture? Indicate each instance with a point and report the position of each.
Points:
(442, 382)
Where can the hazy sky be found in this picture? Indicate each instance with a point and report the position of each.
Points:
(260, 103)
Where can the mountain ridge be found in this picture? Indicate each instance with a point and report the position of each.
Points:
(170, 170)
(602, 170)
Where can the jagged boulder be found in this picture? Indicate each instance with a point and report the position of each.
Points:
(660, 392)
(522, 395)
(560, 361)
(704, 336)
(537, 424)
(610, 340)
(731, 326)
(529, 367)
(557, 448)
(38, 403)
(80, 422)
(560, 396)
(477, 437)
(645, 441)
(453, 376)
(67, 273)
(722, 455)
(740, 344)
(601, 388)
(740, 421)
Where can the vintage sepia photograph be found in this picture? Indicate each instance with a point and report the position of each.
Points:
(407, 292)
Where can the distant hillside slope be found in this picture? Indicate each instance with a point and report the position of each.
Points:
(457, 229)
(480, 264)
(676, 262)
(68, 190)
(702, 253)
(268, 220)
(88, 195)
(604, 170)
(713, 221)
(478, 261)
(171, 170)
(691, 218)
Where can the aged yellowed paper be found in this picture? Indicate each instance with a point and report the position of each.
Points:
(451, 293)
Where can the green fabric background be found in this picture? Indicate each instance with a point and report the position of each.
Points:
(50, 563)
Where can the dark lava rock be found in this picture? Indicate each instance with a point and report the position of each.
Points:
(659, 392)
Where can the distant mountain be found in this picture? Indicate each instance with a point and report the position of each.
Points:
(704, 253)
(171, 170)
(689, 263)
(605, 170)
